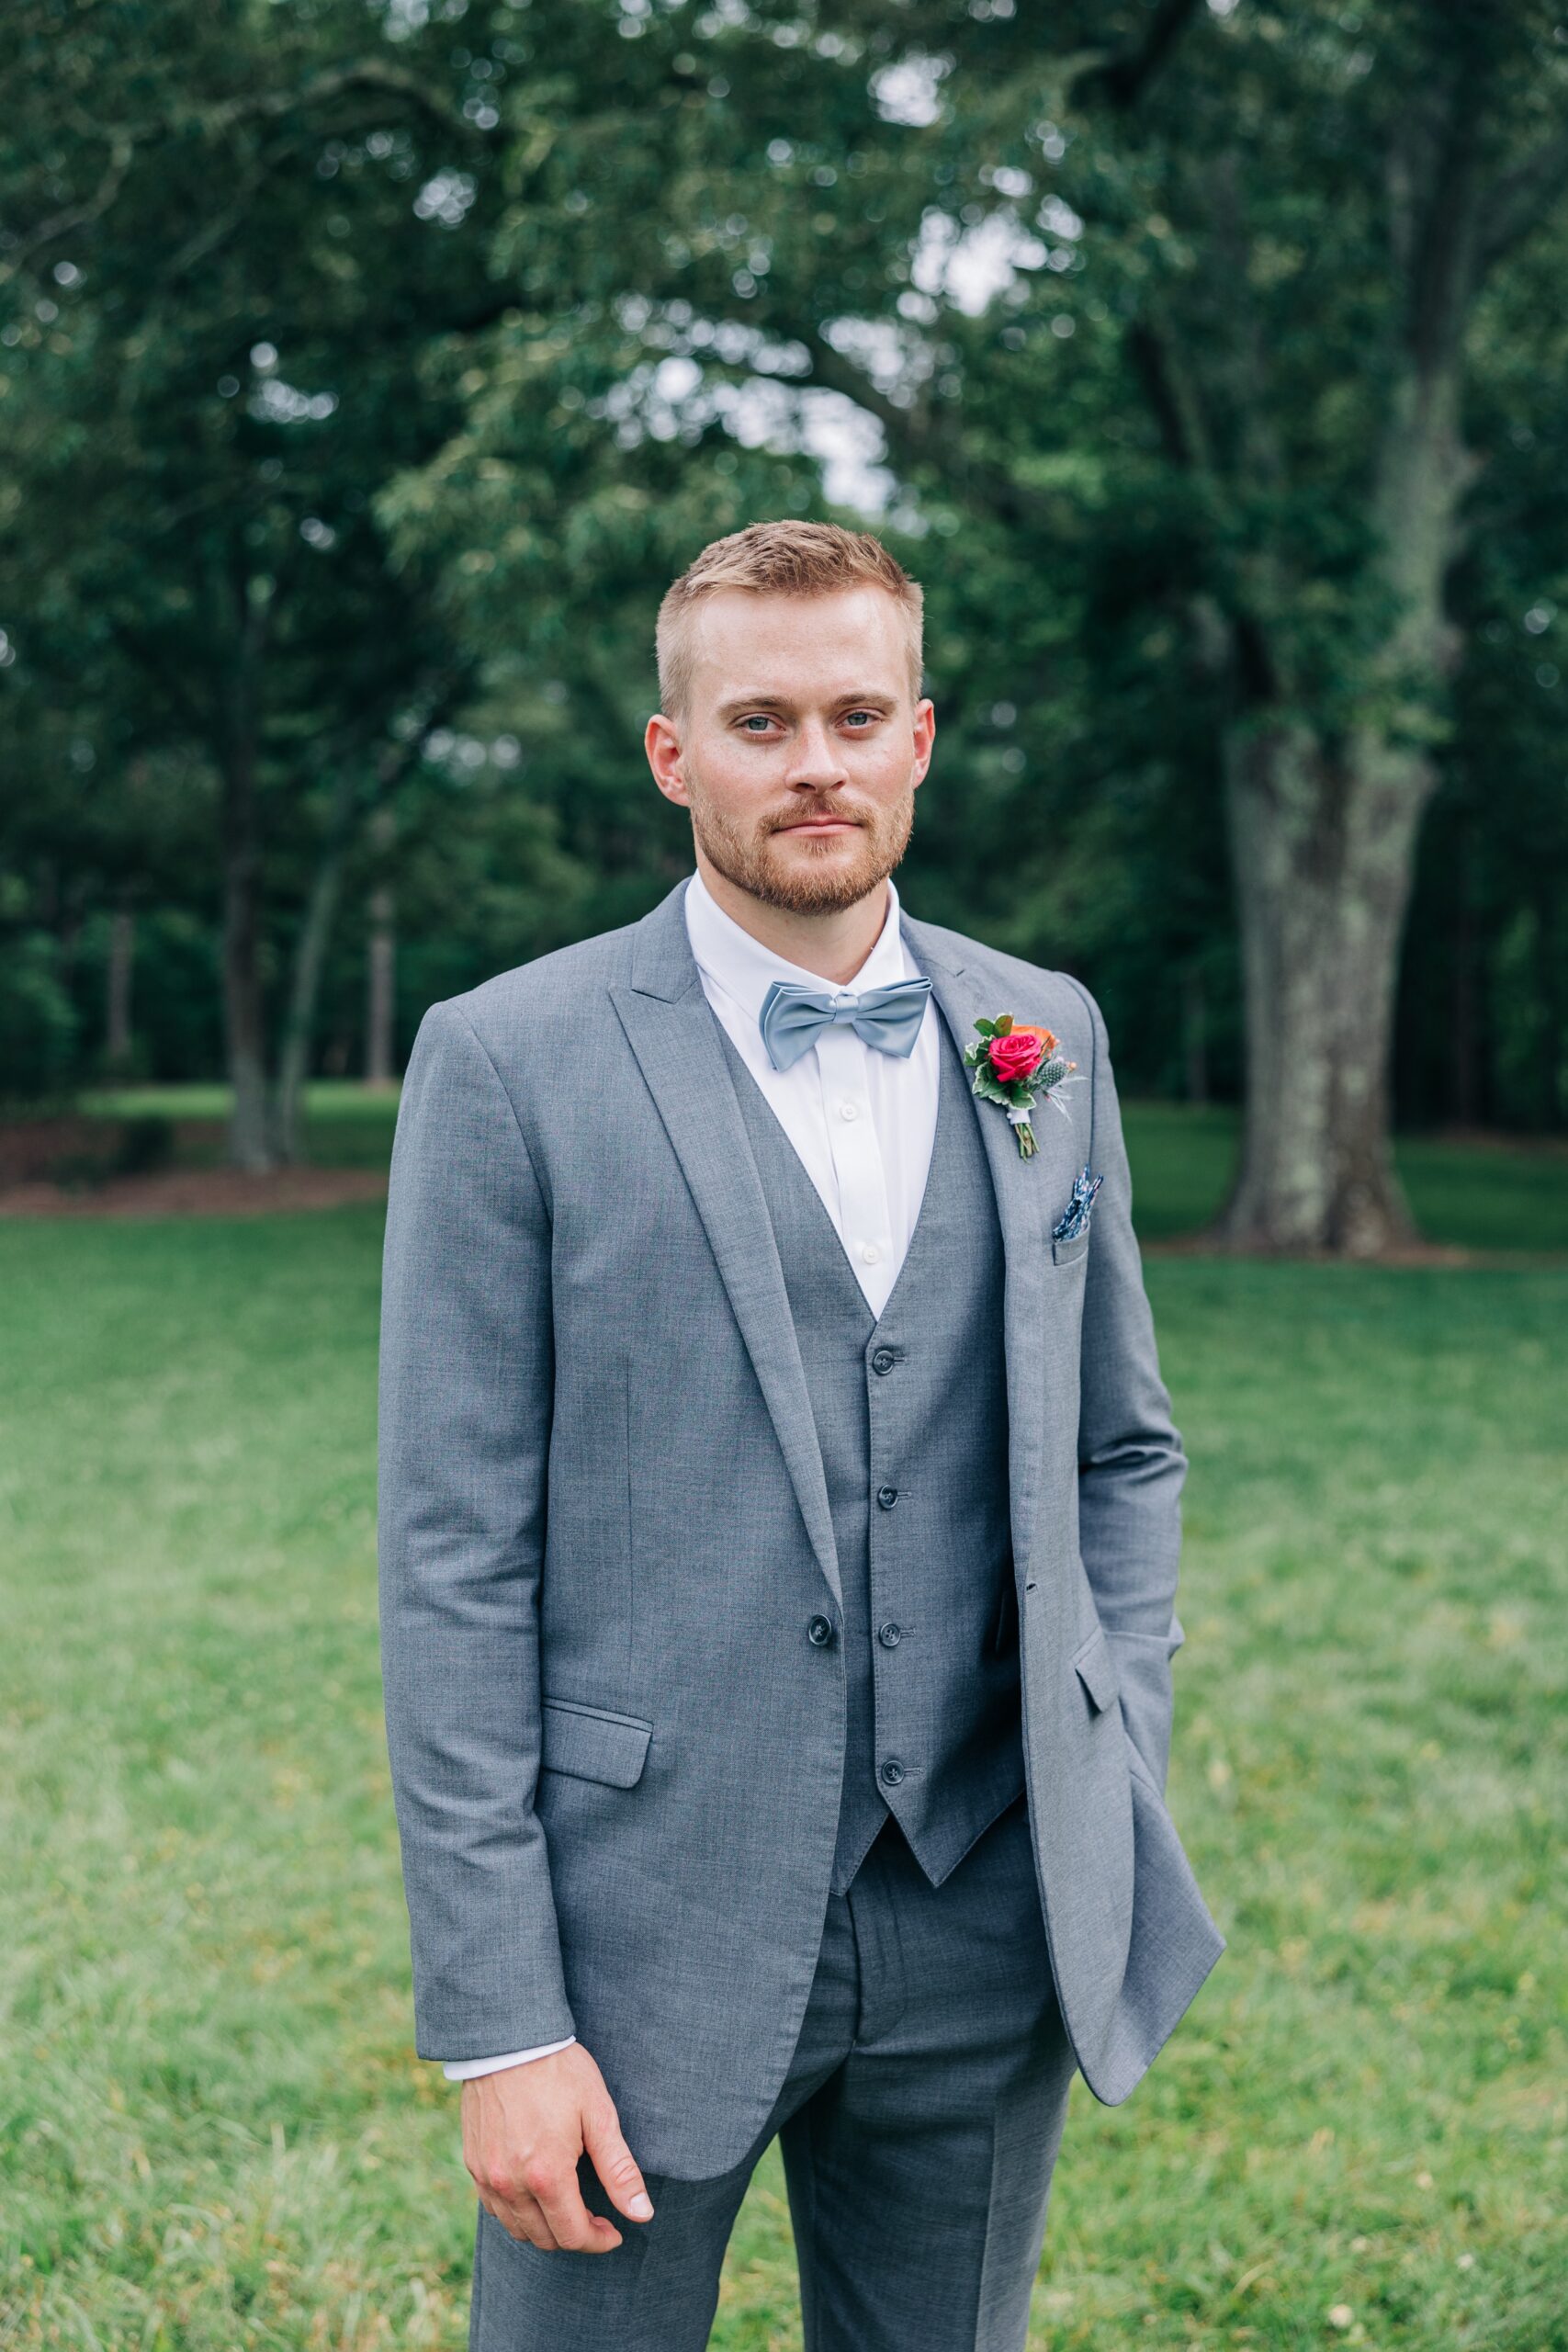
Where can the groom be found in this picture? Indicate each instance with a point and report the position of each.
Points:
(779, 1531)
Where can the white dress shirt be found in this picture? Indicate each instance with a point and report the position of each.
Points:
(863, 1123)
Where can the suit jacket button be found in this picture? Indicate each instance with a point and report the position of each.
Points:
(820, 1631)
(893, 1771)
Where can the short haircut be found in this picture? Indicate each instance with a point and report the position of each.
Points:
(784, 559)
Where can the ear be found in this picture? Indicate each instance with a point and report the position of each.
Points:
(661, 741)
(924, 732)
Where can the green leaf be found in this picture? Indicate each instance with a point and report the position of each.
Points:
(1004, 1025)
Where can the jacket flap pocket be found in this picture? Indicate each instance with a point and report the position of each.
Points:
(593, 1745)
(1064, 1253)
(1097, 1670)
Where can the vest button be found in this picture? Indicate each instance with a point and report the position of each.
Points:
(820, 1631)
(893, 1771)
(890, 1635)
(883, 1360)
(887, 1496)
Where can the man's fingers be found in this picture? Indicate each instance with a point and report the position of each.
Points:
(576, 2229)
(616, 2164)
(521, 2218)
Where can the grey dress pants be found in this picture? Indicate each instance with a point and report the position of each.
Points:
(919, 2125)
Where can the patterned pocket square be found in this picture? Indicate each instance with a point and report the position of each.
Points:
(1074, 1219)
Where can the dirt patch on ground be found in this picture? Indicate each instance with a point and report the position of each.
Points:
(198, 1192)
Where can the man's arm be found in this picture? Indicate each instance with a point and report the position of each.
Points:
(468, 1369)
(1131, 1463)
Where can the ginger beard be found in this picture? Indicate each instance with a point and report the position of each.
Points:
(807, 874)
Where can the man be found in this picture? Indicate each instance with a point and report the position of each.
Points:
(779, 1537)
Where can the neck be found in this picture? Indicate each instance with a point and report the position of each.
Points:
(834, 946)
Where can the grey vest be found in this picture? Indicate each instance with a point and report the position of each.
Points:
(911, 1417)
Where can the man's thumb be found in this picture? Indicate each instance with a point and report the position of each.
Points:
(616, 2164)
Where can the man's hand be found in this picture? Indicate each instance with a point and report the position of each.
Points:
(524, 2131)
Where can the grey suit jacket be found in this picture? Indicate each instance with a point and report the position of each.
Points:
(603, 1527)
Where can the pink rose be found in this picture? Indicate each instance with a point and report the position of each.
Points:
(1021, 1050)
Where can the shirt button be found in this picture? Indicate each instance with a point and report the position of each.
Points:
(820, 1631)
(890, 1635)
(893, 1771)
(887, 1496)
(848, 1110)
(869, 1252)
(883, 1360)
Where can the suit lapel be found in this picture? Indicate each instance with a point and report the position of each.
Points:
(1025, 1191)
(671, 1030)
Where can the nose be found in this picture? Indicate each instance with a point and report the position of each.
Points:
(817, 759)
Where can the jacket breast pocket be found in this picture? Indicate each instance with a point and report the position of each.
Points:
(1067, 1253)
(591, 1743)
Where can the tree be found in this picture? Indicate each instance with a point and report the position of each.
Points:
(228, 234)
(1266, 241)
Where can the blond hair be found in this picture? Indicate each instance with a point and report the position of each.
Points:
(785, 559)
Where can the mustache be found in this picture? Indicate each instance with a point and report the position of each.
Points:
(806, 816)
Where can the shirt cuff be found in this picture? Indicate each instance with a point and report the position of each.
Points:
(463, 2070)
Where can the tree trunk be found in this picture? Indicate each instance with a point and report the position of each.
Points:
(1195, 1027)
(250, 1144)
(310, 960)
(122, 952)
(1463, 1106)
(244, 1008)
(1322, 844)
(380, 1011)
(381, 984)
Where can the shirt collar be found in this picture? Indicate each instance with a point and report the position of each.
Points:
(745, 968)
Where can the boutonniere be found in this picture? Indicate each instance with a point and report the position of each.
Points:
(1013, 1061)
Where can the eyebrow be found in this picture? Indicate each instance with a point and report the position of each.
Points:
(738, 703)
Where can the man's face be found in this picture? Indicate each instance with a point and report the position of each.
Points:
(802, 748)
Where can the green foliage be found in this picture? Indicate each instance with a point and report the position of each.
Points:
(1119, 333)
(38, 1020)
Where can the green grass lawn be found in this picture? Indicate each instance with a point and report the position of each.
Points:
(213, 2132)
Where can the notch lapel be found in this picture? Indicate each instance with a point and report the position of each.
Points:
(672, 1031)
(1024, 1188)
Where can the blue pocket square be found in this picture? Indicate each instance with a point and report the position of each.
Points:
(1074, 1219)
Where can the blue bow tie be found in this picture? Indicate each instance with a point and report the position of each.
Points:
(887, 1018)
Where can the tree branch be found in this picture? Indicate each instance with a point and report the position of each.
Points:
(916, 437)
(1120, 76)
(1516, 199)
(122, 154)
(125, 143)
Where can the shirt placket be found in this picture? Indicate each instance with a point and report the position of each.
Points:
(864, 1217)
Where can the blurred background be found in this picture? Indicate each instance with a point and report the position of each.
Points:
(368, 370)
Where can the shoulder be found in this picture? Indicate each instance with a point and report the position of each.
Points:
(536, 1005)
(1032, 992)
